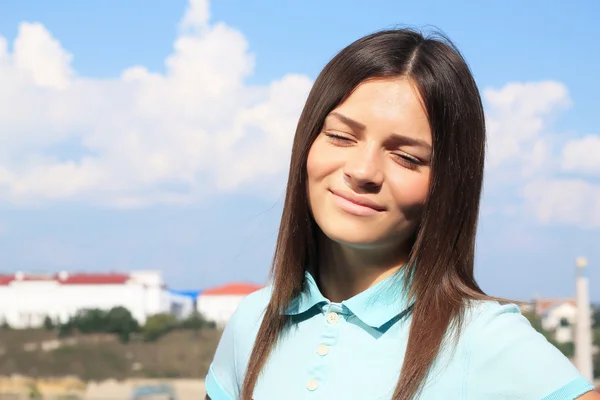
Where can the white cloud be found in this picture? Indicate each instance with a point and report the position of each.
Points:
(568, 201)
(582, 156)
(36, 52)
(197, 16)
(199, 128)
(147, 137)
(523, 160)
(517, 115)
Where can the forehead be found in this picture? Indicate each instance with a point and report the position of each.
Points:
(387, 104)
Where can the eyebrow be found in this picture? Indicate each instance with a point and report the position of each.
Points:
(397, 137)
(348, 121)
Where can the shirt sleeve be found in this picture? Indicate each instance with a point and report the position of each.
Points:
(509, 359)
(222, 381)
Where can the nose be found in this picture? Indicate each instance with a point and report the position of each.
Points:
(363, 170)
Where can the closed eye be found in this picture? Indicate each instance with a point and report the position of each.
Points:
(339, 138)
(408, 161)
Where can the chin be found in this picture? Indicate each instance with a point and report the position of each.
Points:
(356, 242)
(354, 234)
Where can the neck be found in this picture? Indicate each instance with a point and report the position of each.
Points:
(345, 271)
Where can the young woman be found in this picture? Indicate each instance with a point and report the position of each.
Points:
(373, 294)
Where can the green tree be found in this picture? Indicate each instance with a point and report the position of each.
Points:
(48, 323)
(91, 320)
(118, 321)
(4, 324)
(158, 325)
(65, 329)
(195, 322)
(596, 317)
(535, 322)
(597, 356)
(121, 322)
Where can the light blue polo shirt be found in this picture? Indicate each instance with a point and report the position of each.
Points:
(355, 349)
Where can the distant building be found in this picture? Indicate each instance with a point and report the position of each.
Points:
(182, 303)
(558, 316)
(27, 299)
(218, 304)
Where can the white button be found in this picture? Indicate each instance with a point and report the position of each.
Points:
(312, 384)
(333, 318)
(322, 350)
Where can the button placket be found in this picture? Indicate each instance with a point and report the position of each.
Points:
(318, 373)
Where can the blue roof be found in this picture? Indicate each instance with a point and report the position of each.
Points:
(187, 293)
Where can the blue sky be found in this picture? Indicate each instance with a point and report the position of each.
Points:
(133, 140)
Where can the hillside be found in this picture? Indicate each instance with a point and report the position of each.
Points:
(39, 353)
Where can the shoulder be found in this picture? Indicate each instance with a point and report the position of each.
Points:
(241, 329)
(246, 319)
(506, 356)
(495, 327)
(481, 314)
(251, 308)
(228, 367)
(492, 328)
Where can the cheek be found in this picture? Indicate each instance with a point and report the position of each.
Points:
(410, 192)
(321, 162)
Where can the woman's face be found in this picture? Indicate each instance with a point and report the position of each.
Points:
(369, 168)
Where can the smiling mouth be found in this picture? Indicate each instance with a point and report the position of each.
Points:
(356, 204)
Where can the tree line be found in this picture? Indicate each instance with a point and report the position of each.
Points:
(120, 322)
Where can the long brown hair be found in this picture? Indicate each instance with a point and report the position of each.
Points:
(442, 257)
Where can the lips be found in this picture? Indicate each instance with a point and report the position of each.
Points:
(358, 201)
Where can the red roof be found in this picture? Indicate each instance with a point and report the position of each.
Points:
(70, 279)
(232, 289)
(6, 279)
(95, 279)
(544, 305)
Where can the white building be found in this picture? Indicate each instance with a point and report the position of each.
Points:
(26, 299)
(561, 319)
(558, 316)
(182, 303)
(218, 304)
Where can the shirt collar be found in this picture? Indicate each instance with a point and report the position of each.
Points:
(375, 306)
